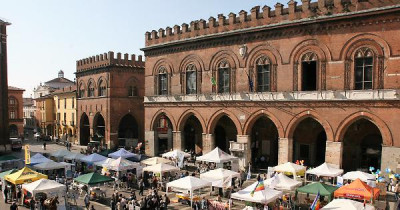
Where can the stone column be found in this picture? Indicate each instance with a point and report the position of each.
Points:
(390, 158)
(285, 150)
(246, 154)
(177, 139)
(170, 137)
(150, 143)
(333, 153)
(208, 142)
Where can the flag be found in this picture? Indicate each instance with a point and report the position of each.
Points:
(250, 83)
(213, 82)
(249, 174)
(259, 187)
(315, 204)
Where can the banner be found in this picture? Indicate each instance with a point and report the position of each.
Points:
(27, 154)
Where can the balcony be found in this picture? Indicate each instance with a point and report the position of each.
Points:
(328, 95)
(237, 147)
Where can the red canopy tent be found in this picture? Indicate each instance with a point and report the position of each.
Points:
(357, 190)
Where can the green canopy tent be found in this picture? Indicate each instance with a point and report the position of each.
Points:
(2, 174)
(93, 178)
(314, 188)
(8, 158)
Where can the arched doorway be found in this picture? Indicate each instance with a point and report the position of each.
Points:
(84, 130)
(128, 132)
(224, 132)
(309, 142)
(264, 143)
(162, 134)
(99, 129)
(192, 134)
(13, 130)
(362, 146)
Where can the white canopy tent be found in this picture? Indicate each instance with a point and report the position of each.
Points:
(60, 153)
(39, 158)
(290, 168)
(74, 156)
(121, 164)
(325, 169)
(282, 182)
(50, 187)
(121, 153)
(175, 154)
(189, 183)
(353, 175)
(345, 204)
(93, 158)
(100, 163)
(219, 177)
(155, 160)
(50, 166)
(265, 196)
(160, 168)
(217, 156)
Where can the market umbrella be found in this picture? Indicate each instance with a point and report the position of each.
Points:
(50, 187)
(93, 158)
(314, 188)
(2, 174)
(93, 178)
(357, 190)
(155, 160)
(265, 196)
(345, 204)
(121, 153)
(121, 164)
(39, 158)
(24, 175)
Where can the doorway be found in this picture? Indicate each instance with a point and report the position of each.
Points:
(309, 76)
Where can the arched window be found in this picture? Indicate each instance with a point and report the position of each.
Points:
(102, 88)
(132, 90)
(191, 79)
(12, 101)
(224, 77)
(309, 72)
(81, 92)
(363, 64)
(263, 74)
(91, 89)
(162, 81)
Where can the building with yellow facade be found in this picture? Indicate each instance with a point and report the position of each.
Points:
(45, 114)
(65, 113)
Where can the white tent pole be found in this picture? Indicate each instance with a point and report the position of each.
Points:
(191, 198)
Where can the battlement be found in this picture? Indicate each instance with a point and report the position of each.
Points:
(265, 16)
(108, 59)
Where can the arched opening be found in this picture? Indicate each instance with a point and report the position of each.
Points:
(99, 129)
(13, 130)
(309, 73)
(309, 142)
(362, 146)
(163, 134)
(224, 132)
(264, 143)
(192, 133)
(84, 130)
(128, 132)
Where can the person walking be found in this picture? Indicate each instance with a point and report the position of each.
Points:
(86, 200)
(141, 187)
(5, 193)
(44, 145)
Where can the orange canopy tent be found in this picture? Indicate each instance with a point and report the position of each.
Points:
(357, 190)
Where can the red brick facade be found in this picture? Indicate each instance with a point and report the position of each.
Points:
(313, 56)
(109, 89)
(4, 135)
(15, 112)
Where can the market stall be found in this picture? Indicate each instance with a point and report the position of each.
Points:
(282, 182)
(25, 175)
(291, 169)
(121, 153)
(220, 177)
(189, 184)
(39, 158)
(155, 160)
(325, 169)
(345, 204)
(93, 158)
(50, 188)
(317, 187)
(216, 156)
(357, 190)
(105, 161)
(93, 178)
(265, 196)
(60, 154)
(8, 162)
(2, 174)
(353, 175)
(175, 154)
(74, 157)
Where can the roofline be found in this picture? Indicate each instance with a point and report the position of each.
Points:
(303, 21)
(3, 22)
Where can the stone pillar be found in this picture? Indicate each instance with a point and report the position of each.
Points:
(208, 142)
(177, 139)
(150, 143)
(390, 158)
(285, 150)
(333, 153)
(170, 137)
(245, 157)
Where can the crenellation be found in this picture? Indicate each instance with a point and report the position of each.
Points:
(108, 59)
(264, 17)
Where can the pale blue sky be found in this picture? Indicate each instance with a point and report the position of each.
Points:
(49, 35)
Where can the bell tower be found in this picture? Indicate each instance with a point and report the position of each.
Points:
(4, 134)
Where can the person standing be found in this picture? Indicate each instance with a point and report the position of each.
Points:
(86, 200)
(19, 196)
(5, 193)
(32, 204)
(44, 145)
(141, 187)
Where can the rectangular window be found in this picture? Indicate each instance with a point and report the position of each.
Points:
(65, 103)
(73, 102)
(191, 82)
(363, 73)
(58, 103)
(223, 80)
(263, 78)
(12, 114)
(163, 84)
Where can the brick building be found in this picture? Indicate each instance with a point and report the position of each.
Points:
(315, 82)
(110, 99)
(15, 112)
(4, 135)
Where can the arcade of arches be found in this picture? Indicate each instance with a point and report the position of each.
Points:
(308, 141)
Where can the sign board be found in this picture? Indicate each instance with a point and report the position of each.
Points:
(27, 154)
